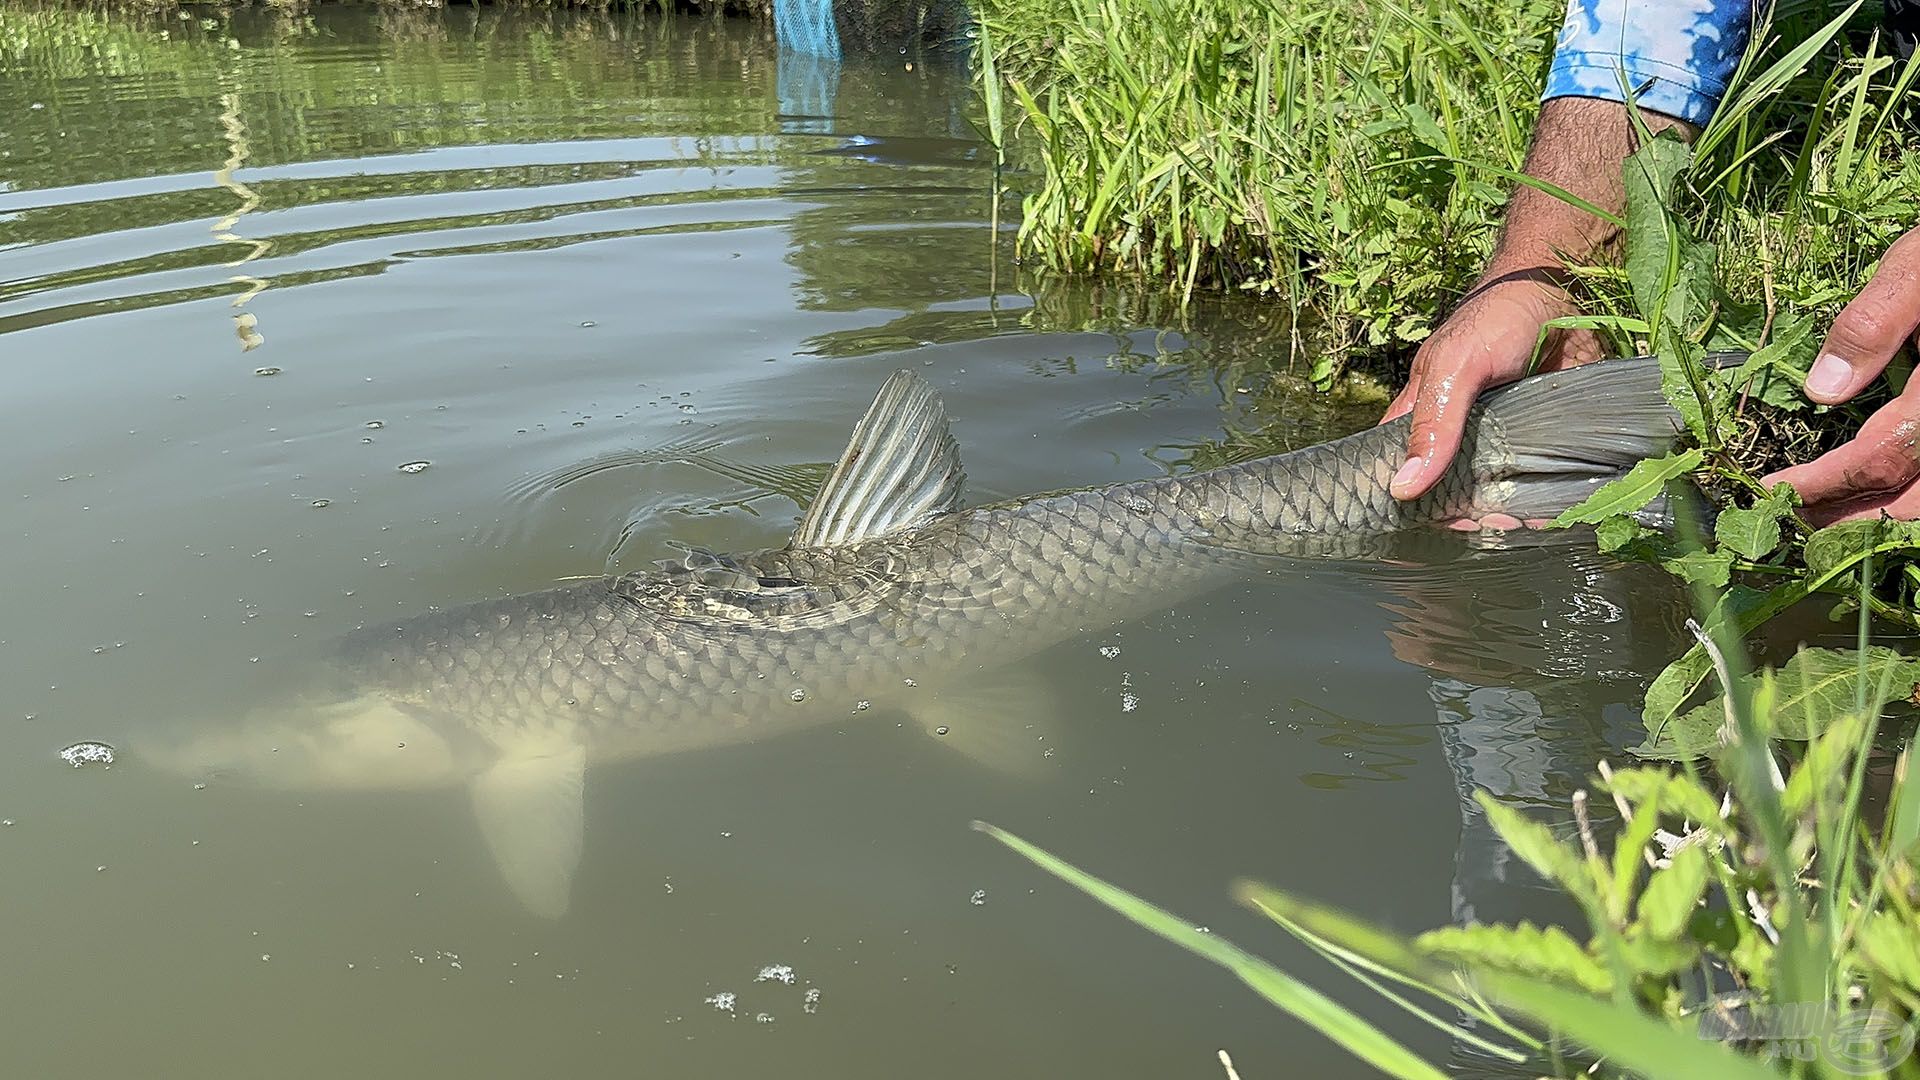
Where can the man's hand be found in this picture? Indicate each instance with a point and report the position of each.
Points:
(1879, 470)
(1487, 341)
(1579, 146)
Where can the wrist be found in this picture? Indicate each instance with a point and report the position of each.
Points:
(1537, 285)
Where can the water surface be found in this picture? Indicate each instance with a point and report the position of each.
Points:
(250, 270)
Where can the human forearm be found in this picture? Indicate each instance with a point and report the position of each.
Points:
(1580, 146)
(1673, 62)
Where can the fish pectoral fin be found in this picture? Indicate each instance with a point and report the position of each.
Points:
(531, 808)
(1006, 725)
(901, 467)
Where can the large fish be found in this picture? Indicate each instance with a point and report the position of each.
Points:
(889, 595)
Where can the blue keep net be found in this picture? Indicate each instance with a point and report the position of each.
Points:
(806, 26)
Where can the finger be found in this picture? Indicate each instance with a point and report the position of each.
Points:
(1881, 460)
(1904, 506)
(1870, 329)
(1440, 411)
(1822, 515)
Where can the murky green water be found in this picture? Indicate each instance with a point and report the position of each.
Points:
(248, 272)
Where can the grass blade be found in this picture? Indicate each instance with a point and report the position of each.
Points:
(1316, 1010)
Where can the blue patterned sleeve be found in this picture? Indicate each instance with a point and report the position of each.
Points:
(1676, 56)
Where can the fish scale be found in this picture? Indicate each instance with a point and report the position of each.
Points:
(889, 594)
(648, 665)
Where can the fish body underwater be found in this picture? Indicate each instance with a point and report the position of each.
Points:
(889, 596)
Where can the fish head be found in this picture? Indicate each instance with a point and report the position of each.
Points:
(355, 741)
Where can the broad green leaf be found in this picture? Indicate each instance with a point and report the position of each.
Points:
(1892, 946)
(1323, 1014)
(1823, 771)
(1547, 952)
(1836, 548)
(1672, 894)
(1539, 848)
(1668, 692)
(1646, 955)
(1689, 387)
(1754, 955)
(1709, 569)
(1631, 492)
(1680, 796)
(1818, 686)
(1776, 370)
(1630, 1039)
(1618, 531)
(1752, 533)
(1739, 610)
(1715, 928)
(1654, 239)
(1903, 816)
(1694, 733)
(1812, 691)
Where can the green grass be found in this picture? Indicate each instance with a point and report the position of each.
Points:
(1352, 159)
(763, 8)
(1312, 150)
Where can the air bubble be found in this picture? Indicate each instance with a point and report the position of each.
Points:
(88, 753)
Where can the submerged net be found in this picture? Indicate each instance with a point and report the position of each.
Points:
(806, 27)
(829, 28)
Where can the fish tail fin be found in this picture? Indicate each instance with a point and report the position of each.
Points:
(1569, 432)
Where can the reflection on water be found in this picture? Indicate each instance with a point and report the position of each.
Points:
(245, 325)
(624, 283)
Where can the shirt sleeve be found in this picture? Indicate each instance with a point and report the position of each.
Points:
(1675, 56)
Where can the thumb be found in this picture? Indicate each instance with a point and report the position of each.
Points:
(1872, 328)
(1439, 421)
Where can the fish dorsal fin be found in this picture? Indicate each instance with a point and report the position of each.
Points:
(530, 808)
(901, 467)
